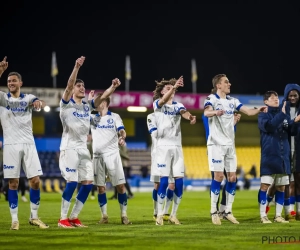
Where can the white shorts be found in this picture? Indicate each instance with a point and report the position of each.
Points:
(156, 178)
(17, 155)
(109, 164)
(76, 165)
(169, 161)
(280, 179)
(222, 157)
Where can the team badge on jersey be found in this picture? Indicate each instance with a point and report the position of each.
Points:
(207, 98)
(149, 120)
(231, 105)
(23, 104)
(110, 121)
(86, 108)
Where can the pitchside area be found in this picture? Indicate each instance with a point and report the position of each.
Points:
(197, 231)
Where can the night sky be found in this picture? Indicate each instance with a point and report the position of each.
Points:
(256, 45)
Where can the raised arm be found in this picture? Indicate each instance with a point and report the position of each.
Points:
(253, 111)
(166, 97)
(72, 79)
(115, 83)
(188, 116)
(3, 65)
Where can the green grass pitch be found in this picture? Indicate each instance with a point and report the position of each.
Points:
(196, 232)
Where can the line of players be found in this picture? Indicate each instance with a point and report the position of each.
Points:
(164, 125)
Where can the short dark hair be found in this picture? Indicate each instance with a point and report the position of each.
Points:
(269, 93)
(78, 81)
(15, 74)
(107, 99)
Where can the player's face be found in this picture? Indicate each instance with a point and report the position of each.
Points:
(14, 84)
(273, 101)
(293, 97)
(102, 105)
(166, 89)
(224, 85)
(79, 90)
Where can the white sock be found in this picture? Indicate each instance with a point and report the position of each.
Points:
(297, 207)
(287, 210)
(278, 209)
(167, 205)
(104, 209)
(229, 202)
(176, 202)
(213, 202)
(14, 214)
(76, 209)
(292, 207)
(160, 205)
(123, 209)
(65, 205)
(262, 210)
(222, 208)
(34, 210)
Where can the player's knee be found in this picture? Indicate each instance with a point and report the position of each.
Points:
(101, 189)
(121, 189)
(13, 184)
(35, 182)
(171, 186)
(156, 185)
(264, 187)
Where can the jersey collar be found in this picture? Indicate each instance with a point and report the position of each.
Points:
(108, 113)
(219, 96)
(72, 100)
(21, 95)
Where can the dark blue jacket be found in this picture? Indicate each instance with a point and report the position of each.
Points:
(296, 129)
(275, 148)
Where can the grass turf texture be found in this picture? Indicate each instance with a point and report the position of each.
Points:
(196, 232)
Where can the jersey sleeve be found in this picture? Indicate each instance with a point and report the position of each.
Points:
(32, 98)
(151, 123)
(237, 104)
(180, 107)
(119, 122)
(155, 105)
(209, 101)
(63, 104)
(3, 99)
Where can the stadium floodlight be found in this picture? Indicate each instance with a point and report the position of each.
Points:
(47, 108)
(136, 109)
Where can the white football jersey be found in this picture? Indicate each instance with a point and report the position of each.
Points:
(105, 132)
(75, 119)
(168, 123)
(221, 128)
(16, 118)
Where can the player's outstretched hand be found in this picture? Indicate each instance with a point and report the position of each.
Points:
(192, 119)
(79, 62)
(116, 82)
(3, 65)
(263, 109)
(179, 83)
(37, 105)
(91, 95)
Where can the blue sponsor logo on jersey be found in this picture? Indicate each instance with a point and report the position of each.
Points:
(8, 167)
(161, 165)
(216, 161)
(18, 109)
(85, 115)
(70, 170)
(105, 126)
